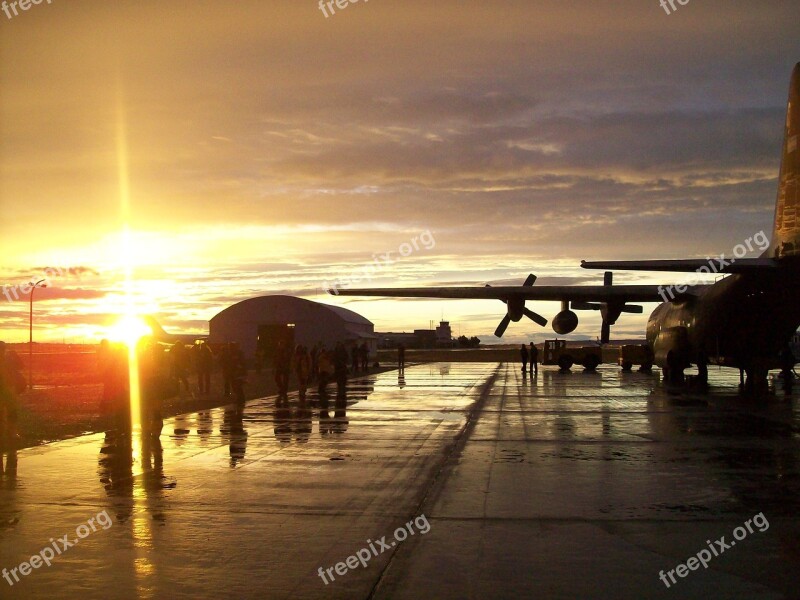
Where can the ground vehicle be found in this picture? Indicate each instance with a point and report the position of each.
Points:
(639, 354)
(557, 353)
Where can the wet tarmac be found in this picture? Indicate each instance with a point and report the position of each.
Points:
(566, 486)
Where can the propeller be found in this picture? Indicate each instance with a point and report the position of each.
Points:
(609, 310)
(501, 328)
(516, 309)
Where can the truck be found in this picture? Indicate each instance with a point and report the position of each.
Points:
(636, 354)
(557, 353)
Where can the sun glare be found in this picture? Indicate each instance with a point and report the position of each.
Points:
(129, 330)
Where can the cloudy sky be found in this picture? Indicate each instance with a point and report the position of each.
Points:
(258, 147)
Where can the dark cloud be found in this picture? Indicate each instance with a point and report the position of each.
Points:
(15, 294)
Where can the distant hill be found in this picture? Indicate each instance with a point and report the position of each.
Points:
(571, 343)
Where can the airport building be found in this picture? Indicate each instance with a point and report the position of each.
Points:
(265, 320)
(441, 337)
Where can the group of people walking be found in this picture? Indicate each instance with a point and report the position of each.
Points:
(154, 385)
(165, 371)
(319, 364)
(530, 355)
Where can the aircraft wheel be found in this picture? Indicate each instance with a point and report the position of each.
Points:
(674, 371)
(627, 366)
(565, 362)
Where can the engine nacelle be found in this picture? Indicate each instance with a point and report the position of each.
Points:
(672, 348)
(565, 322)
(516, 308)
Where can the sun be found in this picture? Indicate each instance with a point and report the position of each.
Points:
(129, 329)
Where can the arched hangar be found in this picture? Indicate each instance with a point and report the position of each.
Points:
(266, 319)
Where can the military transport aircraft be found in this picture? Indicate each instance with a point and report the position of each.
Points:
(744, 320)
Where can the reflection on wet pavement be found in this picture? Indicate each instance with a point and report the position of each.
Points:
(566, 486)
(587, 485)
(235, 502)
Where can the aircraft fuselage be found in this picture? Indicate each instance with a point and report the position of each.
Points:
(741, 321)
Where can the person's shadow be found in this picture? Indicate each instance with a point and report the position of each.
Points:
(234, 432)
(283, 426)
(115, 469)
(8, 467)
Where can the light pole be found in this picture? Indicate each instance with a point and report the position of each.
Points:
(40, 283)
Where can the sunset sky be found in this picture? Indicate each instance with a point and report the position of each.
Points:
(269, 149)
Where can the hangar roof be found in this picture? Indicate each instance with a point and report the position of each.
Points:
(292, 303)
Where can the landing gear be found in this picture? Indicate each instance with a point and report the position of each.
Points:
(673, 371)
(756, 383)
(787, 370)
(702, 372)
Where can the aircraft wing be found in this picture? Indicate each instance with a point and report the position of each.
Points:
(691, 265)
(577, 293)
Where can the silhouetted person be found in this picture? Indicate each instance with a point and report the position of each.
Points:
(326, 372)
(239, 374)
(534, 357)
(523, 354)
(363, 352)
(112, 362)
(227, 366)
(314, 355)
(153, 386)
(104, 357)
(283, 369)
(203, 365)
(302, 370)
(179, 365)
(340, 369)
(401, 357)
(11, 383)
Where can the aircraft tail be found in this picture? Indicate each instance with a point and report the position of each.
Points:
(786, 233)
(155, 327)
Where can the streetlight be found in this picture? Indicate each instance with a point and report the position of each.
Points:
(41, 284)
